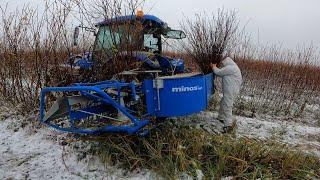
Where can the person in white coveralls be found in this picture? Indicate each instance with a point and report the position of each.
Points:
(231, 83)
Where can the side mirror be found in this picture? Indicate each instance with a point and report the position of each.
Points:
(175, 34)
(76, 36)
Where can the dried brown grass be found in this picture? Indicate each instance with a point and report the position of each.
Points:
(281, 87)
(171, 151)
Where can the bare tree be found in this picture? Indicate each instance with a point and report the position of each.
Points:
(209, 37)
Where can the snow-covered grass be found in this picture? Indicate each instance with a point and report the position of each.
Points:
(191, 145)
(294, 134)
(31, 151)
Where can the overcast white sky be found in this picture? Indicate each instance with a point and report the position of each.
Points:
(290, 22)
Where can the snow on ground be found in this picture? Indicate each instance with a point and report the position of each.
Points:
(299, 135)
(29, 153)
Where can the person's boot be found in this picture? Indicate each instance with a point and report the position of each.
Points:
(230, 128)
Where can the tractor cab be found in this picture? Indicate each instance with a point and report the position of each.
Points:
(139, 35)
(136, 33)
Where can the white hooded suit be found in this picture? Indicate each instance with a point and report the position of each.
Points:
(231, 83)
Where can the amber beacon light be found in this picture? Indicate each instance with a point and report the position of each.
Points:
(140, 13)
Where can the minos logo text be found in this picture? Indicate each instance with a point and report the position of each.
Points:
(186, 89)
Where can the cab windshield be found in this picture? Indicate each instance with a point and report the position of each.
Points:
(125, 37)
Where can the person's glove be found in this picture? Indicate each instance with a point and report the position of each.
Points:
(213, 66)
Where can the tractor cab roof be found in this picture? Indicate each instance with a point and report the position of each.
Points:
(144, 19)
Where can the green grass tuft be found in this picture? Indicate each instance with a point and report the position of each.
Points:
(170, 151)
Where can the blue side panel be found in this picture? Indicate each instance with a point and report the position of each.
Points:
(167, 63)
(178, 65)
(150, 95)
(178, 97)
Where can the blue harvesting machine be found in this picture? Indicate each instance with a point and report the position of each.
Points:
(132, 99)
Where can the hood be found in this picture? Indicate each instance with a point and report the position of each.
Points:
(227, 62)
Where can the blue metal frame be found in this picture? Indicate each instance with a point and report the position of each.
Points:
(96, 92)
(178, 96)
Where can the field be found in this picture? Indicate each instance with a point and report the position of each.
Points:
(277, 113)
